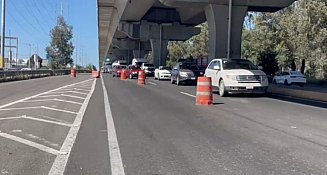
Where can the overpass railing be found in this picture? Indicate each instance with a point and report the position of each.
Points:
(31, 74)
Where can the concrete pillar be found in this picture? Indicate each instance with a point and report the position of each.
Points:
(159, 54)
(130, 57)
(217, 17)
(138, 53)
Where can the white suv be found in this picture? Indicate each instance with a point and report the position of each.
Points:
(236, 76)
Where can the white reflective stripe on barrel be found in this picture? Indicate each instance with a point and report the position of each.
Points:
(204, 83)
(203, 93)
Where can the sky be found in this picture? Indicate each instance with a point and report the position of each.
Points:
(32, 20)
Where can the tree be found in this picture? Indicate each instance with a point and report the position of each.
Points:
(61, 47)
(91, 67)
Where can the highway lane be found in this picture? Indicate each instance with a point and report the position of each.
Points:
(161, 131)
(12, 91)
(38, 128)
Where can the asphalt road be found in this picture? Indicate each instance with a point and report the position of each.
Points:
(159, 130)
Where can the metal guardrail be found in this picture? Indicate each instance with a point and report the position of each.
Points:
(30, 74)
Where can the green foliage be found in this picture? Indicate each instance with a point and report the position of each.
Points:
(195, 47)
(91, 67)
(294, 34)
(61, 47)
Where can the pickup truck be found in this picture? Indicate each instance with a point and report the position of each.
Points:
(236, 76)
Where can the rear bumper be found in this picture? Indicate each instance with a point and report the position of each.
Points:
(243, 89)
(165, 76)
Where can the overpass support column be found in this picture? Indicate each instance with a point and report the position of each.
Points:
(138, 53)
(218, 18)
(159, 51)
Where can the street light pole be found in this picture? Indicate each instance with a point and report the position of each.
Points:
(229, 28)
(2, 58)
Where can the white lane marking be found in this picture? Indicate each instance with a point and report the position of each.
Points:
(47, 121)
(59, 165)
(299, 104)
(60, 110)
(47, 96)
(70, 89)
(188, 94)
(9, 118)
(43, 93)
(30, 143)
(55, 99)
(10, 109)
(62, 92)
(116, 162)
(297, 98)
(72, 96)
(155, 84)
(67, 101)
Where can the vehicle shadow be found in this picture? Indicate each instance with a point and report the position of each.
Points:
(241, 95)
(314, 103)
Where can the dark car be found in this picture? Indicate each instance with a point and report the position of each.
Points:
(184, 72)
(132, 71)
(116, 71)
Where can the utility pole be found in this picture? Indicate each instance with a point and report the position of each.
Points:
(3, 28)
(229, 27)
(10, 53)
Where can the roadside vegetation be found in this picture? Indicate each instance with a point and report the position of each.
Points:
(294, 38)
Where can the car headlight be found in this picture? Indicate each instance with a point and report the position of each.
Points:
(231, 77)
(183, 74)
(263, 77)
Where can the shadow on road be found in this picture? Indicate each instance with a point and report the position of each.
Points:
(314, 103)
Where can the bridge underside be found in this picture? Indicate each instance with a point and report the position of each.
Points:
(147, 25)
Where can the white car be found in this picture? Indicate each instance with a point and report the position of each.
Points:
(236, 76)
(289, 78)
(162, 73)
(148, 69)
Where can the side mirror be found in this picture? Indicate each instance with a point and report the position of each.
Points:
(260, 67)
(216, 67)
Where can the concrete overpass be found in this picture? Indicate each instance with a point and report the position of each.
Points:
(131, 28)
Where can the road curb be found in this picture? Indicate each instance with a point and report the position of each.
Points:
(320, 96)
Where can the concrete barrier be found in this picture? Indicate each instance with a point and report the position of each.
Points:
(298, 93)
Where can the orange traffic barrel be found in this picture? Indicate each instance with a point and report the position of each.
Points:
(141, 78)
(123, 74)
(73, 73)
(204, 91)
(95, 74)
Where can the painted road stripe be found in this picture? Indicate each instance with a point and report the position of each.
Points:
(46, 121)
(37, 95)
(9, 118)
(55, 99)
(72, 96)
(116, 162)
(152, 83)
(61, 92)
(10, 109)
(30, 143)
(188, 94)
(60, 110)
(59, 165)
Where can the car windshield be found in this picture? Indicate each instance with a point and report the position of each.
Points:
(239, 64)
(165, 68)
(190, 66)
(149, 65)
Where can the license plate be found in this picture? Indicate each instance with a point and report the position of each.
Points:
(192, 78)
(249, 87)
